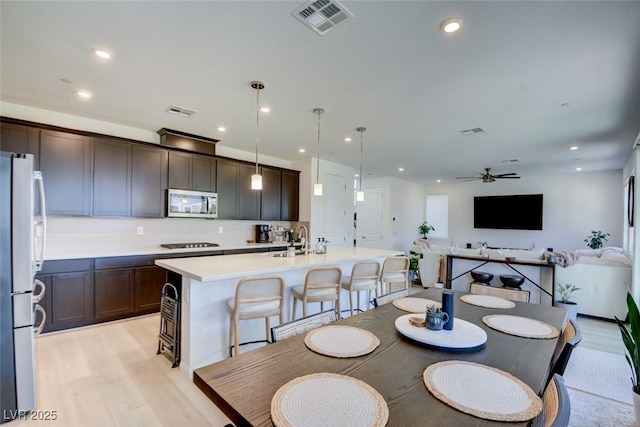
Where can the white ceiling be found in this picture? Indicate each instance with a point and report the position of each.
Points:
(390, 69)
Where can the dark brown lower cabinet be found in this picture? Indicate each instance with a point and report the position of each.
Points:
(68, 300)
(114, 294)
(148, 289)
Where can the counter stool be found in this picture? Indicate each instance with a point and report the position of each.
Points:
(321, 284)
(256, 297)
(482, 277)
(364, 277)
(395, 269)
(513, 281)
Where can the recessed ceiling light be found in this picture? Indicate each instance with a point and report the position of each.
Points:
(437, 180)
(84, 94)
(451, 25)
(222, 128)
(356, 175)
(102, 53)
(400, 169)
(347, 139)
(578, 169)
(573, 147)
(265, 109)
(302, 150)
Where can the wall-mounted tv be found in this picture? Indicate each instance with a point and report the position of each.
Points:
(513, 212)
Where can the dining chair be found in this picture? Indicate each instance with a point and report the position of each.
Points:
(321, 284)
(556, 406)
(304, 324)
(387, 298)
(364, 277)
(510, 294)
(569, 339)
(395, 269)
(256, 297)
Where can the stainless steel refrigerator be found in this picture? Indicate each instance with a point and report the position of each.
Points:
(22, 242)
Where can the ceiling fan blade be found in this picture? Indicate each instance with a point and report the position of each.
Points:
(507, 177)
(505, 174)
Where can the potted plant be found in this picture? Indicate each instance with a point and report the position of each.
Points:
(425, 228)
(631, 340)
(596, 239)
(565, 291)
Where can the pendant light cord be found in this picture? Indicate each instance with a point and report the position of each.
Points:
(257, 124)
(319, 111)
(361, 130)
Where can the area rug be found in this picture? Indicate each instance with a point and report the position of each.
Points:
(599, 389)
(599, 373)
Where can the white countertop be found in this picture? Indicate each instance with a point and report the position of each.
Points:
(211, 268)
(77, 251)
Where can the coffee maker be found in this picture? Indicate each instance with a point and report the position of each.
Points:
(262, 233)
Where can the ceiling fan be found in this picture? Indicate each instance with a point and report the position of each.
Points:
(488, 177)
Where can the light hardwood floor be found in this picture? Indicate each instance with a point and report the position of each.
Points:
(110, 375)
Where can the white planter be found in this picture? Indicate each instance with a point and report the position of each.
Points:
(572, 310)
(636, 406)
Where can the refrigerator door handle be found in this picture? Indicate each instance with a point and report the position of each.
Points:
(37, 296)
(41, 226)
(40, 327)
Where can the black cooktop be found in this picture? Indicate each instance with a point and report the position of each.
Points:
(189, 245)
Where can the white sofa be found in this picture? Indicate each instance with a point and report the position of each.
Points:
(603, 277)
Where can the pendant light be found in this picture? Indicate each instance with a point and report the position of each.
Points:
(256, 179)
(317, 187)
(360, 193)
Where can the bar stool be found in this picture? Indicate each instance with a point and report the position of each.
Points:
(482, 277)
(395, 269)
(364, 277)
(511, 281)
(256, 297)
(321, 284)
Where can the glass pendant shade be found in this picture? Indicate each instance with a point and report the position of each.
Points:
(359, 196)
(360, 193)
(256, 182)
(317, 189)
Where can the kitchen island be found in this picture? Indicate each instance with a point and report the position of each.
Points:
(207, 283)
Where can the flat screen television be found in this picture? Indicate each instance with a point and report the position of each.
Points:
(513, 212)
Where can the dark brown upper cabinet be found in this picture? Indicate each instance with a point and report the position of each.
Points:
(21, 139)
(189, 171)
(271, 193)
(290, 196)
(66, 162)
(227, 177)
(248, 199)
(111, 178)
(148, 181)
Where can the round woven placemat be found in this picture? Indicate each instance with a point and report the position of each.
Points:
(482, 391)
(341, 341)
(326, 399)
(487, 301)
(414, 305)
(520, 326)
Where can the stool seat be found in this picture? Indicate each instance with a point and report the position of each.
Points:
(511, 280)
(482, 277)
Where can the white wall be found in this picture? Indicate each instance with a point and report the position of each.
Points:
(573, 205)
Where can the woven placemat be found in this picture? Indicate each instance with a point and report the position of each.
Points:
(482, 391)
(520, 326)
(326, 399)
(414, 305)
(341, 341)
(487, 301)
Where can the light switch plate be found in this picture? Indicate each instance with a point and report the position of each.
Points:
(220, 229)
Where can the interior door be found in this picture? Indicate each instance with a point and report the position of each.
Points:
(335, 210)
(369, 222)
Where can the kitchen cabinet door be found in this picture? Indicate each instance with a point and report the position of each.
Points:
(114, 293)
(180, 170)
(204, 173)
(22, 139)
(68, 300)
(148, 181)
(290, 197)
(148, 289)
(248, 199)
(271, 193)
(227, 183)
(111, 178)
(66, 162)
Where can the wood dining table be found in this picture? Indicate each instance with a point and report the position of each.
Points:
(243, 387)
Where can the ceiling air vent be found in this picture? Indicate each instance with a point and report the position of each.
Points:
(473, 131)
(181, 111)
(322, 15)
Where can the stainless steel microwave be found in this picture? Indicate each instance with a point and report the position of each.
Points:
(192, 204)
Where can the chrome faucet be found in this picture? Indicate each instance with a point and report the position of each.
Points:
(305, 243)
